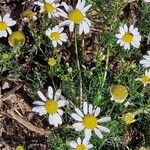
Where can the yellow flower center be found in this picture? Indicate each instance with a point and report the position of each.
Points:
(81, 147)
(145, 79)
(128, 118)
(119, 92)
(3, 26)
(49, 7)
(128, 37)
(52, 62)
(76, 16)
(55, 36)
(51, 106)
(16, 39)
(89, 122)
(19, 148)
(28, 14)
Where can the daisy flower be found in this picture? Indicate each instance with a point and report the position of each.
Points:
(128, 118)
(77, 16)
(56, 35)
(118, 93)
(128, 36)
(80, 145)
(145, 78)
(50, 106)
(146, 60)
(17, 38)
(5, 24)
(88, 121)
(50, 7)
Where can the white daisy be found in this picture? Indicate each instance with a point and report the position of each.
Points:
(128, 36)
(50, 7)
(146, 60)
(77, 16)
(80, 145)
(56, 35)
(145, 78)
(5, 24)
(89, 122)
(50, 106)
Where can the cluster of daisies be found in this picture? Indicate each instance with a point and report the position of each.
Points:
(86, 119)
(73, 17)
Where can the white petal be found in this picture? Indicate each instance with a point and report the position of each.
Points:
(51, 119)
(103, 129)
(86, 8)
(78, 126)
(98, 133)
(49, 15)
(86, 27)
(79, 141)
(54, 43)
(88, 134)
(60, 112)
(121, 30)
(57, 94)
(38, 103)
(81, 5)
(104, 119)
(60, 42)
(78, 111)
(119, 36)
(41, 96)
(76, 117)
(9, 30)
(88, 21)
(71, 26)
(4, 33)
(39, 109)
(73, 144)
(66, 22)
(80, 29)
(6, 17)
(131, 28)
(90, 109)
(97, 111)
(125, 28)
(89, 146)
(85, 107)
(61, 103)
(65, 6)
(58, 118)
(50, 92)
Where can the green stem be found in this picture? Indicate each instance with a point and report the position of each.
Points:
(78, 65)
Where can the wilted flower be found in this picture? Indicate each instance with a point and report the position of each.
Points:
(119, 93)
(16, 39)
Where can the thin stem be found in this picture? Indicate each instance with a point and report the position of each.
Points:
(78, 65)
(106, 68)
